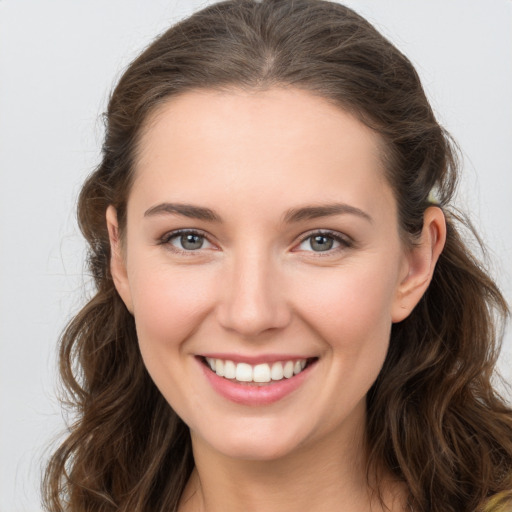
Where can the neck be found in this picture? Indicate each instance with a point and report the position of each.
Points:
(312, 478)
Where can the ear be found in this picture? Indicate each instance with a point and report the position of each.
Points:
(117, 260)
(421, 262)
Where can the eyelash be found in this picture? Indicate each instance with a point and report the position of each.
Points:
(344, 241)
(166, 239)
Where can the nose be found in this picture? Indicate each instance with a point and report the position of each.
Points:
(253, 297)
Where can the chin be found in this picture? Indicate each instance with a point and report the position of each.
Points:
(262, 451)
(249, 446)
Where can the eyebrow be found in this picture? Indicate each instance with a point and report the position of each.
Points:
(315, 212)
(187, 210)
(291, 216)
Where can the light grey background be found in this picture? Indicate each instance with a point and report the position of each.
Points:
(58, 61)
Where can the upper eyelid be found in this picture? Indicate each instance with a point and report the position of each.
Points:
(169, 235)
(327, 232)
(175, 232)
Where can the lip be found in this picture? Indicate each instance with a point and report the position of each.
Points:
(253, 360)
(251, 394)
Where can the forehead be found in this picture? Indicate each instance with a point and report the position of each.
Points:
(281, 144)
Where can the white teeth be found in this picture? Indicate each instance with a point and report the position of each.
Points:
(261, 373)
(229, 370)
(219, 367)
(243, 372)
(288, 369)
(277, 371)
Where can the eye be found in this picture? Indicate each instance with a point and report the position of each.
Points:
(186, 241)
(323, 242)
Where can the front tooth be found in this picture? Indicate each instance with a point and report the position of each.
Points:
(229, 370)
(243, 372)
(288, 369)
(261, 373)
(297, 368)
(219, 367)
(277, 371)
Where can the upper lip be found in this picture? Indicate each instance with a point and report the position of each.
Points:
(256, 359)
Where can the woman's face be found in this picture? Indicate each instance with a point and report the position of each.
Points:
(261, 237)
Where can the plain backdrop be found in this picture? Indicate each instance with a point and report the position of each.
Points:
(58, 62)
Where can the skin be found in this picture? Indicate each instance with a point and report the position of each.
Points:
(257, 286)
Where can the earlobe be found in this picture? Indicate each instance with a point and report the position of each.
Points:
(117, 260)
(421, 262)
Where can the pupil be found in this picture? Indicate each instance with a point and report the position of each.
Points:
(191, 241)
(321, 243)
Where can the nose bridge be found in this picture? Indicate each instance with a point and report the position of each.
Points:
(253, 299)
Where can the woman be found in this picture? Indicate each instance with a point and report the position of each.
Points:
(287, 316)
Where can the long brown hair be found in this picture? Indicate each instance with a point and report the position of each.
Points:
(434, 419)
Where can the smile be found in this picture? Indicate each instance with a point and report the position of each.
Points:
(258, 382)
(259, 373)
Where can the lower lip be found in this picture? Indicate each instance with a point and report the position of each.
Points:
(252, 394)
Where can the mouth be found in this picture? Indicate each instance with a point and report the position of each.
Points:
(260, 374)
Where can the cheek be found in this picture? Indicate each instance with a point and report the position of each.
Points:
(351, 307)
(168, 308)
(351, 313)
(169, 304)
